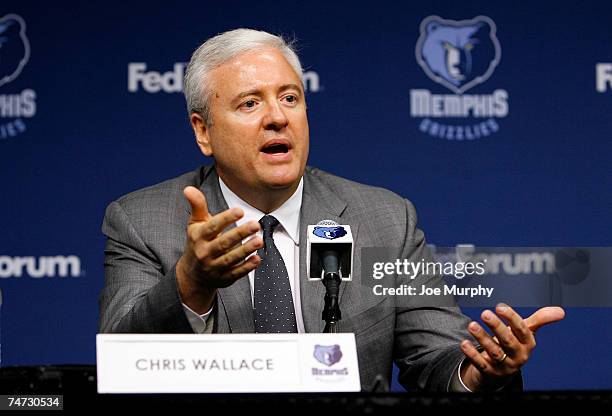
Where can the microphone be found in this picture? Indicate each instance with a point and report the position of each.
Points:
(329, 250)
(329, 257)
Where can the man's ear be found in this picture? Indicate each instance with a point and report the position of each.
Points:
(200, 129)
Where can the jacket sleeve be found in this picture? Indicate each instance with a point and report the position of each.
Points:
(428, 334)
(138, 295)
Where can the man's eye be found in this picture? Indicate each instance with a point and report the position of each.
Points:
(291, 98)
(249, 104)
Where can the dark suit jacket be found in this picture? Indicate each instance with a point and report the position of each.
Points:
(146, 237)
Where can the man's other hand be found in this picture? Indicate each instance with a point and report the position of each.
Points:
(212, 258)
(503, 354)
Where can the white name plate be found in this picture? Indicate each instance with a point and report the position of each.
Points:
(226, 363)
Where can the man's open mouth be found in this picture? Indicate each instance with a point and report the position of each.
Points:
(275, 147)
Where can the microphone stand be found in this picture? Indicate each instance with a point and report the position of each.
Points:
(331, 280)
(331, 311)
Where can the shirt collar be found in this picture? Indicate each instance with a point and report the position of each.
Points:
(288, 214)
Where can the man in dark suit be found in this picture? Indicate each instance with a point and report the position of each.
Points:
(222, 249)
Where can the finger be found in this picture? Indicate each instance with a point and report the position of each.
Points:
(197, 200)
(544, 316)
(244, 268)
(475, 357)
(238, 254)
(217, 223)
(504, 335)
(516, 322)
(228, 240)
(491, 347)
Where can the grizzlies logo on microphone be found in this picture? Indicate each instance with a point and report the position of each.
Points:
(329, 233)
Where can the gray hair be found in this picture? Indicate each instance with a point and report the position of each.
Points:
(218, 50)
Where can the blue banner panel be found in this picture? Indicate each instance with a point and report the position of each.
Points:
(491, 117)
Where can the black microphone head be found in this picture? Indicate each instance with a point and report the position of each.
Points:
(331, 261)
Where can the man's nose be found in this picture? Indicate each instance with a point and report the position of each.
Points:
(275, 118)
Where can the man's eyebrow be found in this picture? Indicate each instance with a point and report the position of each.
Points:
(256, 91)
(286, 87)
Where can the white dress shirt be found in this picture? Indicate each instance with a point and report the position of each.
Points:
(287, 239)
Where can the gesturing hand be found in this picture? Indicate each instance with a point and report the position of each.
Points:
(505, 353)
(213, 258)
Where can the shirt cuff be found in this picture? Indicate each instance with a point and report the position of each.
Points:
(457, 385)
(197, 321)
(463, 386)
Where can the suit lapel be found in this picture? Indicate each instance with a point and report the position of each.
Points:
(319, 203)
(234, 307)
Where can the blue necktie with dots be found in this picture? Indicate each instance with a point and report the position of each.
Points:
(273, 303)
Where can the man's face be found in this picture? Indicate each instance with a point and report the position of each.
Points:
(259, 130)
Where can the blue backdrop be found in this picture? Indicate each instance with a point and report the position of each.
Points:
(90, 110)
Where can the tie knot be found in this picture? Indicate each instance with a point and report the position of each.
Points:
(268, 224)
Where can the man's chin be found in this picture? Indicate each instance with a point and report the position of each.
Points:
(281, 180)
(281, 184)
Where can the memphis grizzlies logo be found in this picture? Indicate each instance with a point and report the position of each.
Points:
(329, 233)
(458, 54)
(14, 47)
(327, 354)
(16, 107)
